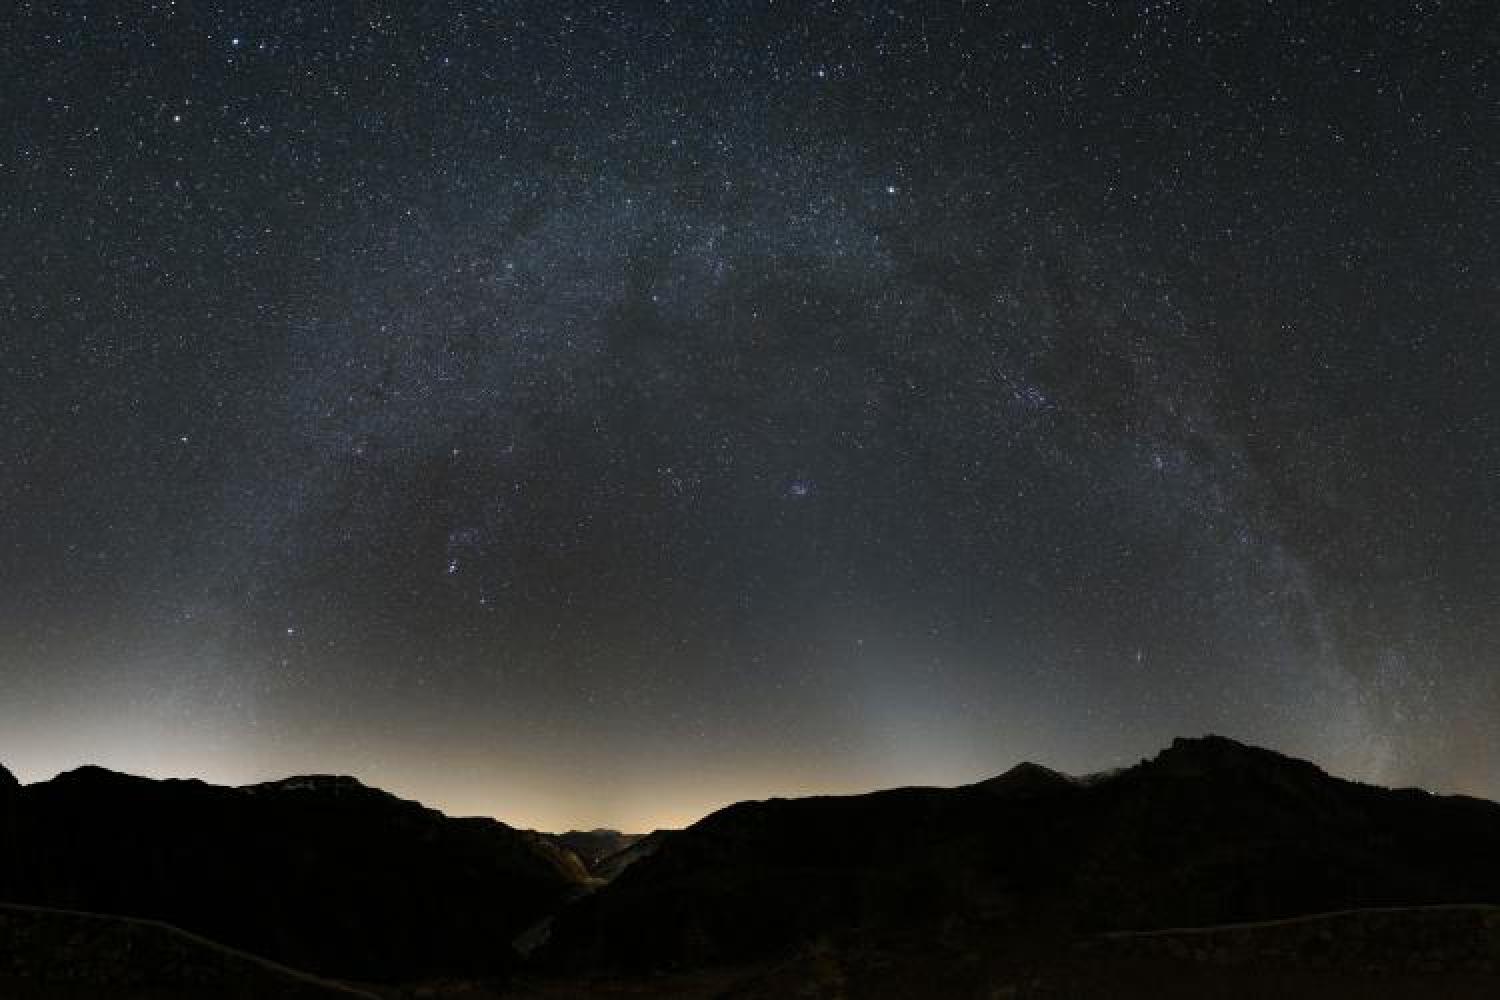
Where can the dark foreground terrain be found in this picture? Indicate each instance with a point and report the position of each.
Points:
(61, 954)
(318, 873)
(1213, 869)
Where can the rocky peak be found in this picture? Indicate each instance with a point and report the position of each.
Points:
(1210, 754)
(329, 783)
(1027, 778)
(94, 776)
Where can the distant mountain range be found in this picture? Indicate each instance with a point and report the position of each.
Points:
(594, 847)
(1029, 879)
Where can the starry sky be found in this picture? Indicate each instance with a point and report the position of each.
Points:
(596, 413)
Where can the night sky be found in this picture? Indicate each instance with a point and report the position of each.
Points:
(597, 413)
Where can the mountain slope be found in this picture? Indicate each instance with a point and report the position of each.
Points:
(321, 873)
(609, 868)
(593, 846)
(1207, 832)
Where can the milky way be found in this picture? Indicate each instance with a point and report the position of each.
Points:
(597, 413)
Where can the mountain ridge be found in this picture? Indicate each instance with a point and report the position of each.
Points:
(321, 873)
(1207, 831)
(343, 879)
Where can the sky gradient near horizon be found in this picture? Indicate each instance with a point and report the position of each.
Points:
(591, 414)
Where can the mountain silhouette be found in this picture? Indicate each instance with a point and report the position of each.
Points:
(1213, 868)
(319, 872)
(1208, 832)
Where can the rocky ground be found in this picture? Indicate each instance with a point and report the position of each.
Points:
(1385, 954)
(61, 955)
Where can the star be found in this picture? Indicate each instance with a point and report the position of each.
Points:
(724, 352)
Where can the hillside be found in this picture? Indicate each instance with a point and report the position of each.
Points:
(1208, 832)
(593, 846)
(321, 873)
(1213, 868)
